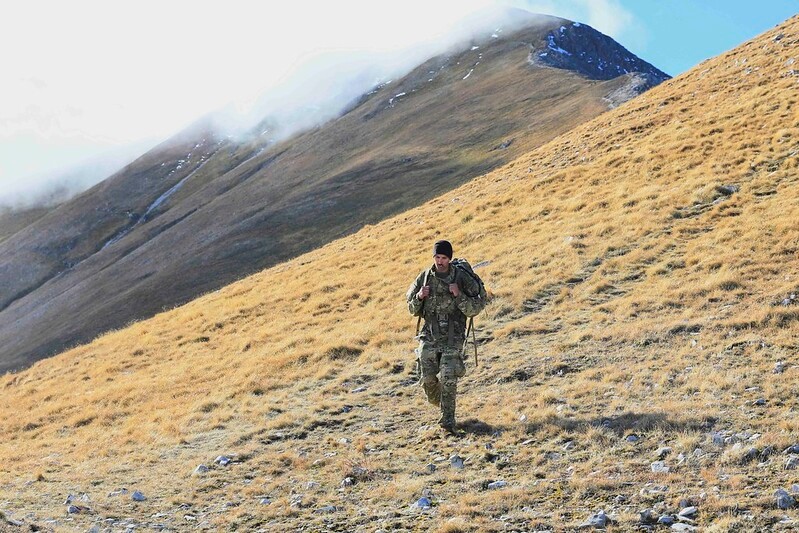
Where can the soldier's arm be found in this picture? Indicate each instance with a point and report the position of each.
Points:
(469, 305)
(415, 304)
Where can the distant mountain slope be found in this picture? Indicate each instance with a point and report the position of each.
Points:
(14, 220)
(638, 356)
(200, 211)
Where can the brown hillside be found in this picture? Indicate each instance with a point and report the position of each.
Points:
(199, 211)
(644, 270)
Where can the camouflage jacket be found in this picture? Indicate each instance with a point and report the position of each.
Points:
(444, 314)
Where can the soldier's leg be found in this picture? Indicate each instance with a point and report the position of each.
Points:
(451, 369)
(429, 364)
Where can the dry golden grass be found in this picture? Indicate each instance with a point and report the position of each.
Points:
(631, 297)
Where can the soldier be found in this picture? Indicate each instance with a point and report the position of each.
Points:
(442, 295)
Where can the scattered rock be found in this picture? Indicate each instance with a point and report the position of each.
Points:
(118, 492)
(569, 446)
(200, 470)
(750, 455)
(666, 520)
(663, 452)
(73, 509)
(422, 503)
(296, 501)
(792, 463)
(137, 496)
(794, 448)
(346, 409)
(347, 482)
(528, 442)
(687, 512)
(727, 190)
(327, 509)
(69, 499)
(431, 468)
(456, 461)
(647, 516)
(359, 389)
(265, 501)
(312, 485)
(651, 490)
(621, 499)
(497, 484)
(659, 467)
(598, 520)
(632, 438)
(760, 402)
(783, 499)
(683, 527)
(779, 366)
(222, 460)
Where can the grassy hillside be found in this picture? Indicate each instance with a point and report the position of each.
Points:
(642, 266)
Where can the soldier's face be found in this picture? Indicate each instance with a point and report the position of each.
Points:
(442, 262)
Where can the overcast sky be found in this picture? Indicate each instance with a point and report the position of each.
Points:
(82, 78)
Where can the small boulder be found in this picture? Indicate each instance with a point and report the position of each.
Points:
(423, 503)
(222, 460)
(137, 496)
(666, 520)
(497, 484)
(663, 452)
(200, 470)
(598, 520)
(659, 467)
(456, 461)
(783, 499)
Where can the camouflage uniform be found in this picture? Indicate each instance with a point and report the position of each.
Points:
(442, 337)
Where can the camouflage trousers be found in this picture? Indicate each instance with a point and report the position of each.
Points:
(440, 370)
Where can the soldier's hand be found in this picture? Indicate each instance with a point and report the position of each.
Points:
(423, 293)
(454, 289)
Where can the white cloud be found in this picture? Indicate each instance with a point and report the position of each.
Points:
(84, 76)
(608, 16)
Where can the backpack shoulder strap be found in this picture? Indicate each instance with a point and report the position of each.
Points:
(421, 312)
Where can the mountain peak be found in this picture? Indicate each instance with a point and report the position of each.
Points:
(581, 48)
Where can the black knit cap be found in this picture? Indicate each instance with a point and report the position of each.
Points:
(443, 248)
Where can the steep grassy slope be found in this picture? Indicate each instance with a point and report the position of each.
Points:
(642, 267)
(14, 220)
(200, 211)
